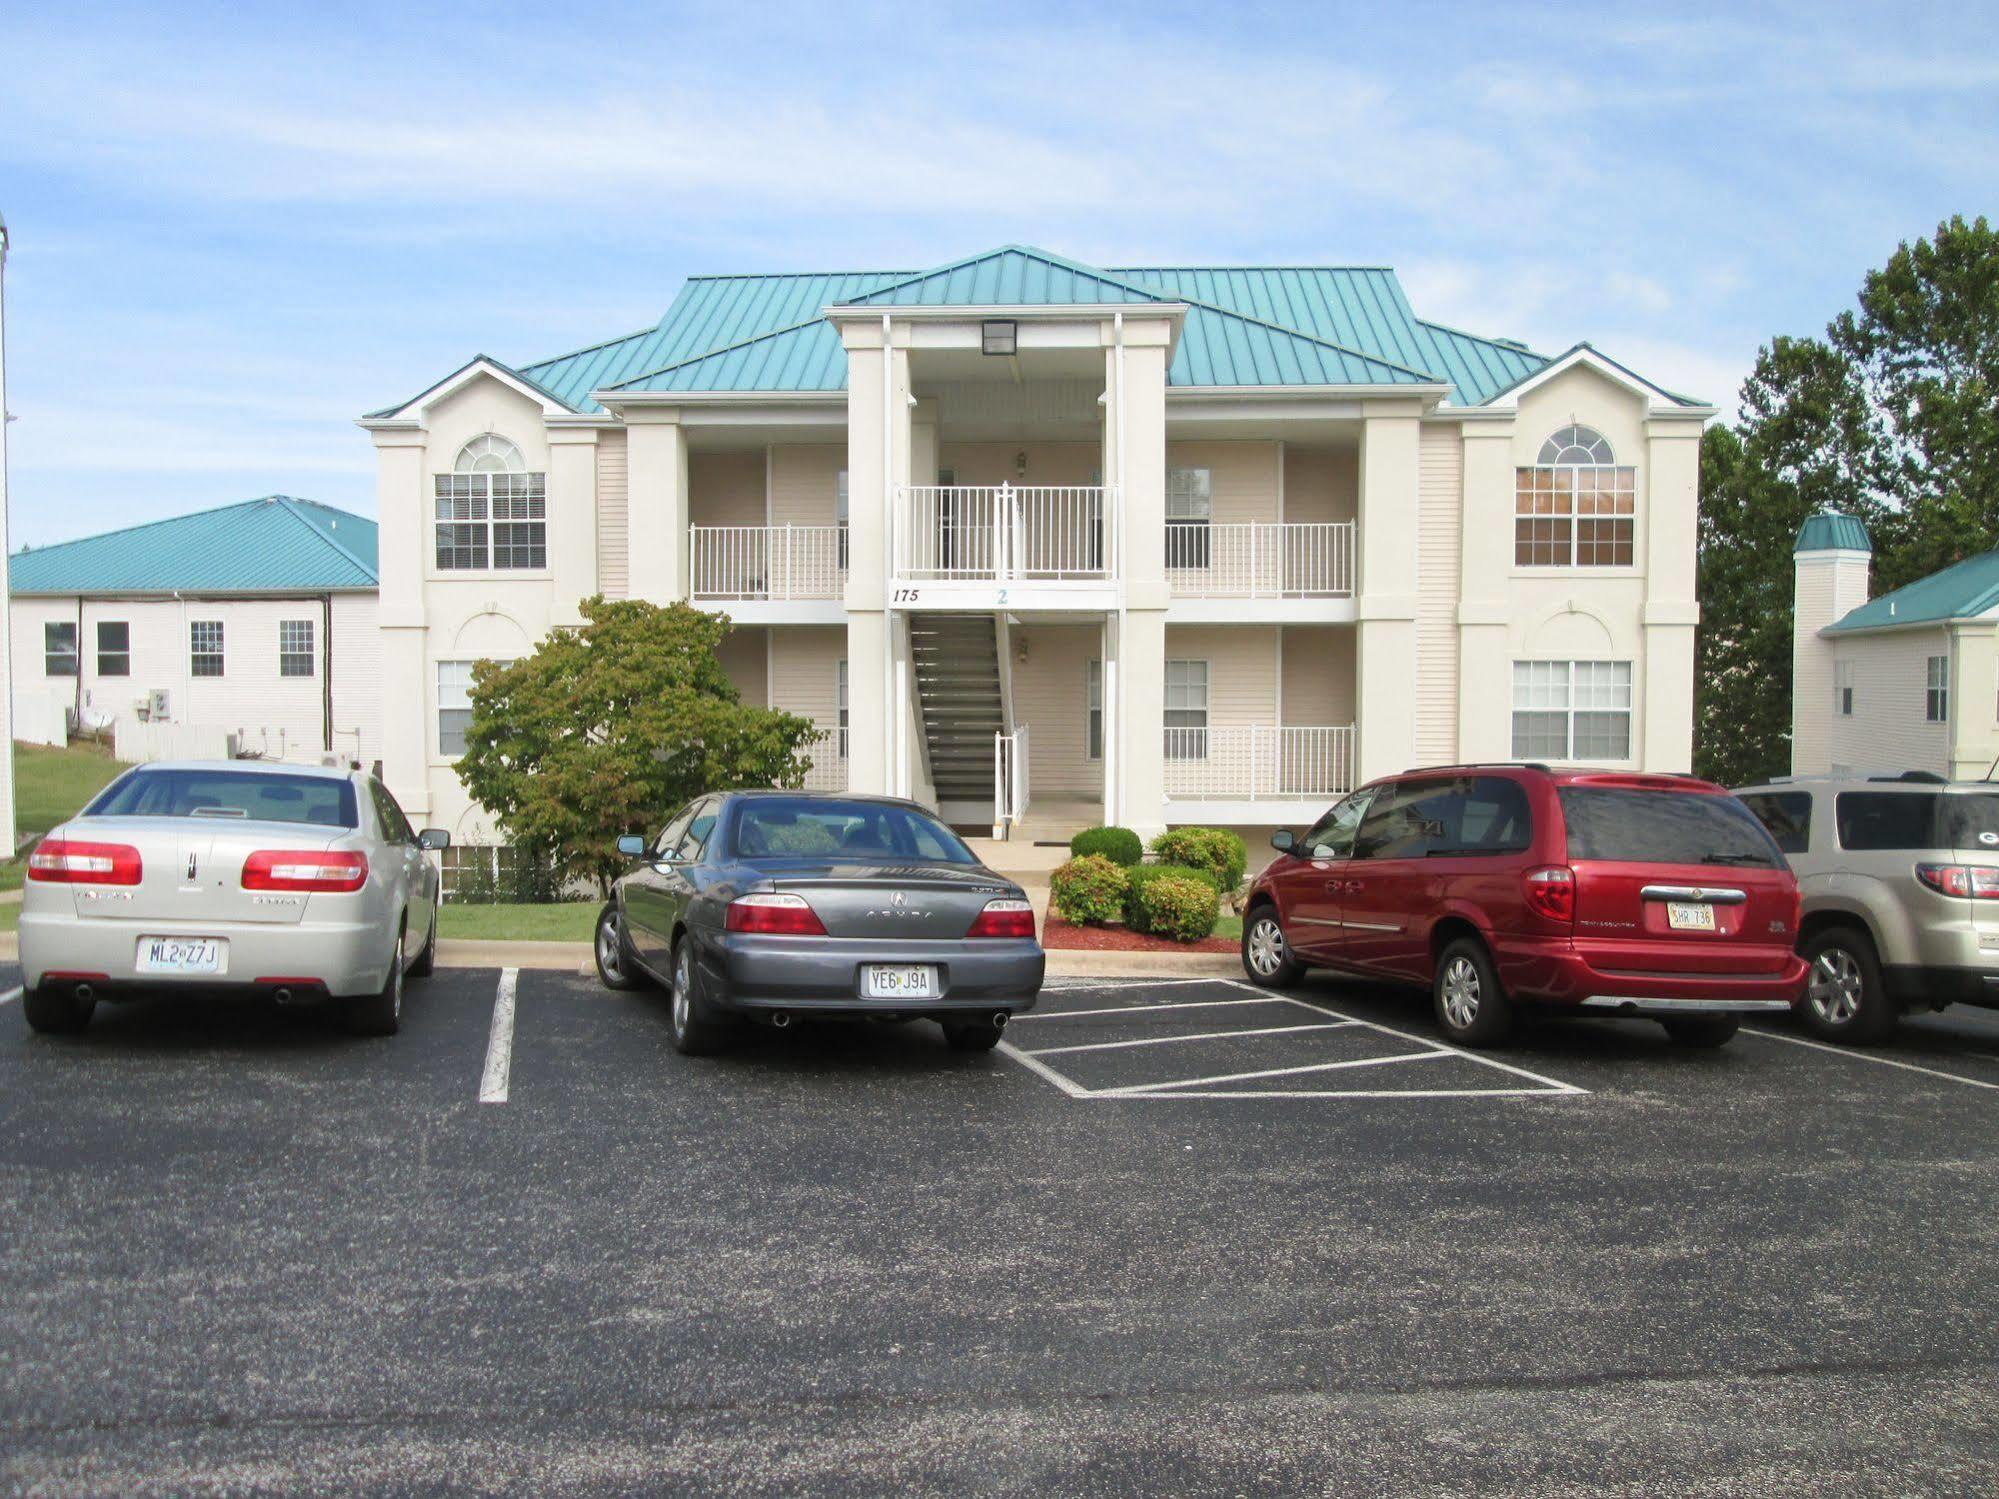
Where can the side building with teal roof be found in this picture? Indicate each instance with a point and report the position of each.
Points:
(248, 629)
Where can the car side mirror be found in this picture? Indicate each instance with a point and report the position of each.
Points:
(632, 846)
(1282, 841)
(433, 840)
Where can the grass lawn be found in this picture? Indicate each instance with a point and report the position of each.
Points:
(1230, 926)
(49, 785)
(572, 921)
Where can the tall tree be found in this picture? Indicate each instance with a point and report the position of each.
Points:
(607, 729)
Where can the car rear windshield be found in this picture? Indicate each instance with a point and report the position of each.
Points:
(868, 832)
(1630, 826)
(1880, 821)
(319, 801)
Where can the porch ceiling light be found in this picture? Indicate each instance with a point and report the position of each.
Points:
(998, 336)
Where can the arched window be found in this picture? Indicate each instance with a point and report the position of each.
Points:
(1575, 507)
(492, 511)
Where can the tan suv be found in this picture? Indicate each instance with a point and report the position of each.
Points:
(1900, 879)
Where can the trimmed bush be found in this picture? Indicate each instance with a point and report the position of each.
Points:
(1216, 850)
(1139, 876)
(1088, 891)
(1178, 905)
(1119, 845)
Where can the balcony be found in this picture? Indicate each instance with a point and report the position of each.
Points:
(1004, 534)
(1259, 762)
(777, 563)
(1260, 560)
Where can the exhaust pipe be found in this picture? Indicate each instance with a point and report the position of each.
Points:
(283, 996)
(999, 1020)
(781, 1020)
(85, 993)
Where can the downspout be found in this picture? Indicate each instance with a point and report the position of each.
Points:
(326, 671)
(76, 692)
(1114, 715)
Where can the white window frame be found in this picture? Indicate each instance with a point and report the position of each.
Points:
(490, 490)
(1190, 504)
(1574, 451)
(291, 653)
(1093, 709)
(840, 708)
(202, 646)
(1573, 690)
(1842, 689)
(453, 696)
(55, 653)
(104, 655)
(840, 517)
(1936, 689)
(1188, 741)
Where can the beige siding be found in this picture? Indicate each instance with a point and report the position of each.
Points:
(804, 484)
(613, 516)
(1887, 730)
(1439, 540)
(977, 463)
(1320, 484)
(1318, 681)
(1243, 476)
(1242, 669)
(725, 489)
(745, 656)
(1050, 694)
(804, 672)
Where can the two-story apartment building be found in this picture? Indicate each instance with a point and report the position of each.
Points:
(1027, 537)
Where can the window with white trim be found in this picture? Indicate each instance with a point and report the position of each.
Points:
(295, 647)
(454, 707)
(1842, 688)
(840, 699)
(1572, 710)
(1936, 690)
(491, 511)
(204, 645)
(1093, 709)
(1186, 710)
(840, 514)
(114, 648)
(59, 648)
(1190, 510)
(1575, 507)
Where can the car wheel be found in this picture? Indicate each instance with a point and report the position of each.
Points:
(382, 1014)
(56, 1010)
(696, 1031)
(971, 1035)
(1266, 956)
(614, 958)
(1472, 1009)
(424, 962)
(1845, 998)
(1703, 1032)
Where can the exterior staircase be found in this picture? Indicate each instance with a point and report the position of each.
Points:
(956, 657)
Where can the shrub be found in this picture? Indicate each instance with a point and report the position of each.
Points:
(1088, 891)
(1179, 906)
(1119, 845)
(1216, 850)
(1139, 876)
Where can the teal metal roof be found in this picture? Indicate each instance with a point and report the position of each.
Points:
(1830, 531)
(1011, 276)
(1963, 590)
(274, 545)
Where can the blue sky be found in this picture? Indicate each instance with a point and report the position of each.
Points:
(237, 228)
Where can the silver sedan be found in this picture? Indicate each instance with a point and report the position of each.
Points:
(289, 880)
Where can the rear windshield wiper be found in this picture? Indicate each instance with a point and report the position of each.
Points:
(1761, 860)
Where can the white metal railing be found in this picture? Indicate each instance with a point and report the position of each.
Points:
(1048, 533)
(829, 763)
(1009, 779)
(767, 562)
(1259, 762)
(1260, 559)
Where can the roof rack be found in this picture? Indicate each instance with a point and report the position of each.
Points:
(1920, 777)
(1480, 765)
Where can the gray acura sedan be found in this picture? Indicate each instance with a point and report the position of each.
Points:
(775, 904)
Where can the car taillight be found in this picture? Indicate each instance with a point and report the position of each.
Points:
(304, 869)
(774, 916)
(1004, 918)
(1551, 892)
(1965, 881)
(67, 861)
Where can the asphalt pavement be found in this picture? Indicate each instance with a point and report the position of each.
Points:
(1174, 1237)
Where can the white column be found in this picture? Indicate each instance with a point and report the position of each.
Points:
(1138, 411)
(1385, 602)
(1671, 511)
(408, 693)
(657, 523)
(572, 520)
(1485, 669)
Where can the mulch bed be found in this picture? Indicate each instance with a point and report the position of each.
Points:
(1059, 934)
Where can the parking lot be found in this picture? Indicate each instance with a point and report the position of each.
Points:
(1173, 1236)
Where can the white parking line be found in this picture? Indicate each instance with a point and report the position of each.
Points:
(1192, 1004)
(11, 995)
(1044, 1071)
(1268, 1030)
(1131, 1089)
(1863, 1056)
(500, 1044)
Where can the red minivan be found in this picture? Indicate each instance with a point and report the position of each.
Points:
(1508, 886)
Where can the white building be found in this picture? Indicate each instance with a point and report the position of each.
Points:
(1906, 681)
(248, 629)
(1034, 539)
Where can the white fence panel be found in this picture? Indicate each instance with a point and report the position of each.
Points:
(1259, 762)
(1260, 559)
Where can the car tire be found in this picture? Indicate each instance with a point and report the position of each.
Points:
(1846, 998)
(1266, 955)
(1472, 1009)
(381, 1014)
(55, 1010)
(615, 968)
(422, 965)
(1702, 1032)
(697, 1031)
(971, 1035)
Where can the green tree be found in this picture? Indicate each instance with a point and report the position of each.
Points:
(604, 730)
